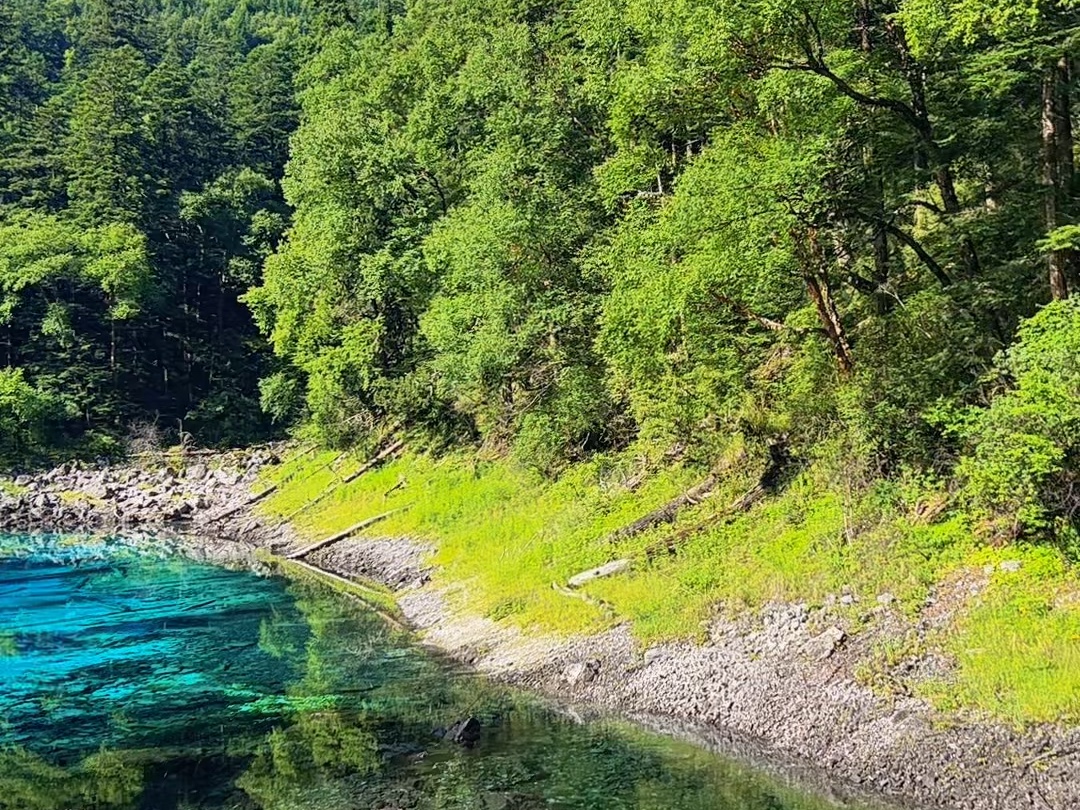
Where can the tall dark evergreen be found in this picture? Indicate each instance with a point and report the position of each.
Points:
(124, 119)
(106, 25)
(107, 154)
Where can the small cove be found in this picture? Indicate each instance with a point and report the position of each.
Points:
(131, 680)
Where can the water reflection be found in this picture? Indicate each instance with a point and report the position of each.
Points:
(132, 683)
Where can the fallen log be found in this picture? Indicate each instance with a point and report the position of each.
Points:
(749, 499)
(369, 596)
(607, 570)
(363, 524)
(669, 511)
(330, 465)
(391, 450)
(244, 504)
(584, 597)
(254, 499)
(779, 459)
(742, 504)
(616, 567)
(770, 480)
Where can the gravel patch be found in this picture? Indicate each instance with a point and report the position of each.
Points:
(400, 564)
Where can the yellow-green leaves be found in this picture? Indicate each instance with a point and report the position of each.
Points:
(36, 252)
(42, 251)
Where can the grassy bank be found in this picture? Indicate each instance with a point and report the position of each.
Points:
(1007, 618)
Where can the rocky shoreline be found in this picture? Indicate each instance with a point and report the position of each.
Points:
(778, 688)
(191, 499)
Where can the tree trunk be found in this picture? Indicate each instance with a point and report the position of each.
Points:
(1058, 168)
(812, 266)
(112, 353)
(881, 269)
(818, 287)
(342, 535)
(865, 26)
(944, 178)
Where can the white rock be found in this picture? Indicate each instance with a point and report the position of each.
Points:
(581, 672)
(825, 643)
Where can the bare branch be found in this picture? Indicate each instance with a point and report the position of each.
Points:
(746, 312)
(910, 241)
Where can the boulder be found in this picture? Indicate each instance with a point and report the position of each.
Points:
(101, 489)
(823, 645)
(581, 672)
(464, 732)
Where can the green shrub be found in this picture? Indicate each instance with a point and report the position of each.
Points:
(1022, 467)
(29, 416)
(570, 418)
(281, 396)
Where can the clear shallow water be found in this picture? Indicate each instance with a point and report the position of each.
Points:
(129, 682)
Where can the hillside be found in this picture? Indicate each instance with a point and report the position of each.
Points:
(799, 275)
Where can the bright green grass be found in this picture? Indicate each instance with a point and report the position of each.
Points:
(504, 536)
(303, 477)
(501, 530)
(797, 547)
(510, 535)
(1017, 649)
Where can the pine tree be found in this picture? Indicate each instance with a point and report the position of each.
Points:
(107, 151)
(106, 25)
(263, 108)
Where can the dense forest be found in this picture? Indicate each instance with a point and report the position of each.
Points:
(141, 151)
(847, 228)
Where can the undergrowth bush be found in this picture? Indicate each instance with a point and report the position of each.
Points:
(29, 417)
(1021, 472)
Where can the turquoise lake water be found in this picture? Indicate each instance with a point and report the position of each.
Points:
(131, 681)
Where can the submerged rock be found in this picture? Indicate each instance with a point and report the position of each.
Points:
(464, 732)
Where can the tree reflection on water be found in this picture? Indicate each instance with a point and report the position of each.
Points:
(182, 687)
